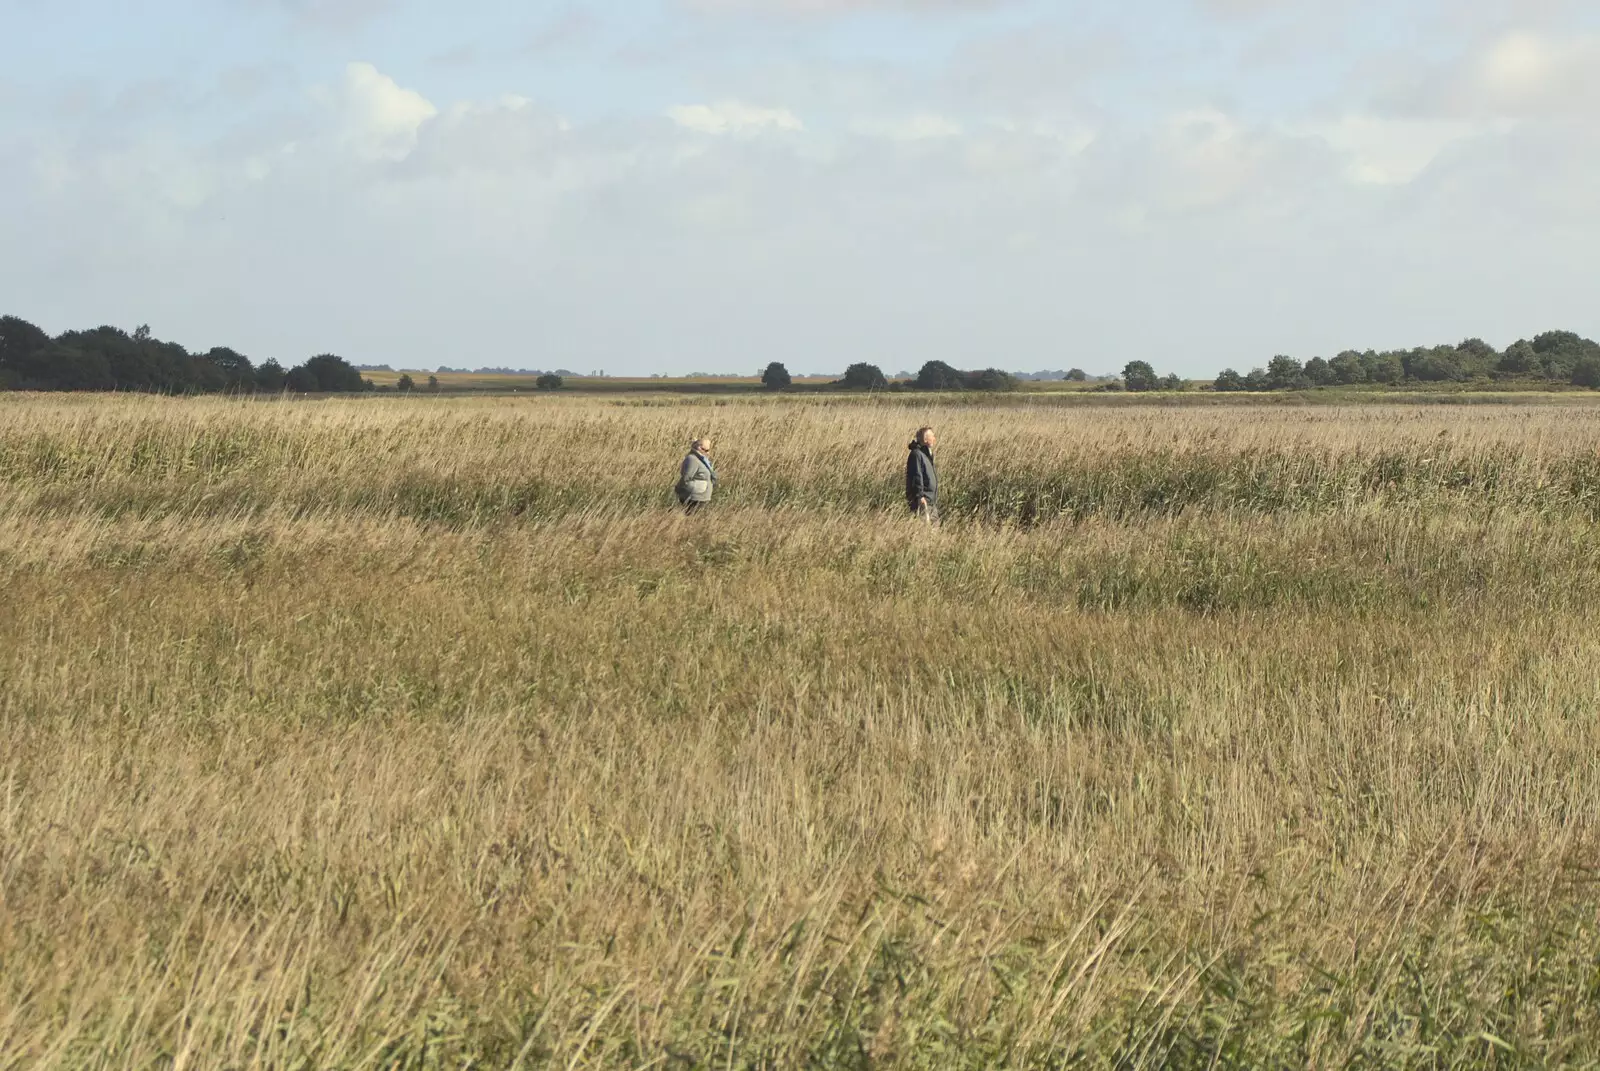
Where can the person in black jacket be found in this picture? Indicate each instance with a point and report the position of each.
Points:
(922, 479)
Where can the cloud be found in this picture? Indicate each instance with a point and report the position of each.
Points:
(838, 7)
(921, 127)
(378, 117)
(1387, 151)
(1516, 75)
(825, 208)
(331, 13)
(732, 117)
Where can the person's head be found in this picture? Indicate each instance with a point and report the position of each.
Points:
(925, 437)
(701, 446)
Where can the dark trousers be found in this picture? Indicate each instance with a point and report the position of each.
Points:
(694, 507)
(928, 512)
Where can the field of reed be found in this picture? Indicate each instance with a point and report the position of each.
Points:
(422, 732)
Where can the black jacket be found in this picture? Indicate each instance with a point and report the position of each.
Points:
(922, 479)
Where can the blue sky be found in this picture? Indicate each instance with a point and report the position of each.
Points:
(676, 185)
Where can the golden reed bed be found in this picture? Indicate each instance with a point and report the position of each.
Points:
(424, 733)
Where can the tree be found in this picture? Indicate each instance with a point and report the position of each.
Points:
(1478, 354)
(1561, 351)
(1320, 373)
(1285, 373)
(62, 367)
(1172, 381)
(1347, 368)
(404, 383)
(433, 383)
(1229, 380)
(333, 374)
(991, 379)
(1138, 375)
(270, 376)
(1384, 367)
(776, 377)
(548, 381)
(20, 342)
(1520, 359)
(936, 375)
(302, 380)
(1436, 365)
(863, 376)
(1077, 375)
(235, 368)
(1586, 372)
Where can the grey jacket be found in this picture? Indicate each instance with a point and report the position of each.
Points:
(922, 479)
(696, 478)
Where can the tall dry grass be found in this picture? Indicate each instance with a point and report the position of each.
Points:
(422, 733)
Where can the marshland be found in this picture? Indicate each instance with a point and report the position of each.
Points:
(425, 732)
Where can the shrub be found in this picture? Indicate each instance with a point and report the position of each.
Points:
(548, 381)
(776, 377)
(1139, 376)
(863, 376)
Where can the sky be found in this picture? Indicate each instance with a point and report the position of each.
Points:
(670, 186)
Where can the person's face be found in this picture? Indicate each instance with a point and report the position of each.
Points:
(705, 446)
(929, 439)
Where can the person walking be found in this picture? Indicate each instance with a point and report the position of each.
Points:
(922, 478)
(697, 477)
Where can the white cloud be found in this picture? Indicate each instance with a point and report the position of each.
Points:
(837, 7)
(733, 117)
(1386, 151)
(379, 119)
(921, 127)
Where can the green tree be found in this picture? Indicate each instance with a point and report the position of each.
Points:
(1437, 365)
(1320, 373)
(1229, 380)
(1077, 375)
(548, 381)
(237, 372)
(404, 383)
(1138, 375)
(1384, 367)
(334, 374)
(270, 376)
(1586, 372)
(991, 379)
(1520, 359)
(433, 383)
(776, 377)
(1285, 373)
(1347, 368)
(864, 376)
(936, 375)
(302, 380)
(20, 343)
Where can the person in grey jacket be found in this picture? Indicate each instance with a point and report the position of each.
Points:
(922, 478)
(697, 477)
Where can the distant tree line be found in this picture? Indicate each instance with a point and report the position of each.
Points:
(1553, 357)
(108, 358)
(935, 375)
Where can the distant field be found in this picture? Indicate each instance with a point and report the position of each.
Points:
(473, 381)
(1086, 392)
(384, 732)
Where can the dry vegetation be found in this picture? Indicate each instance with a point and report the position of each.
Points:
(421, 733)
